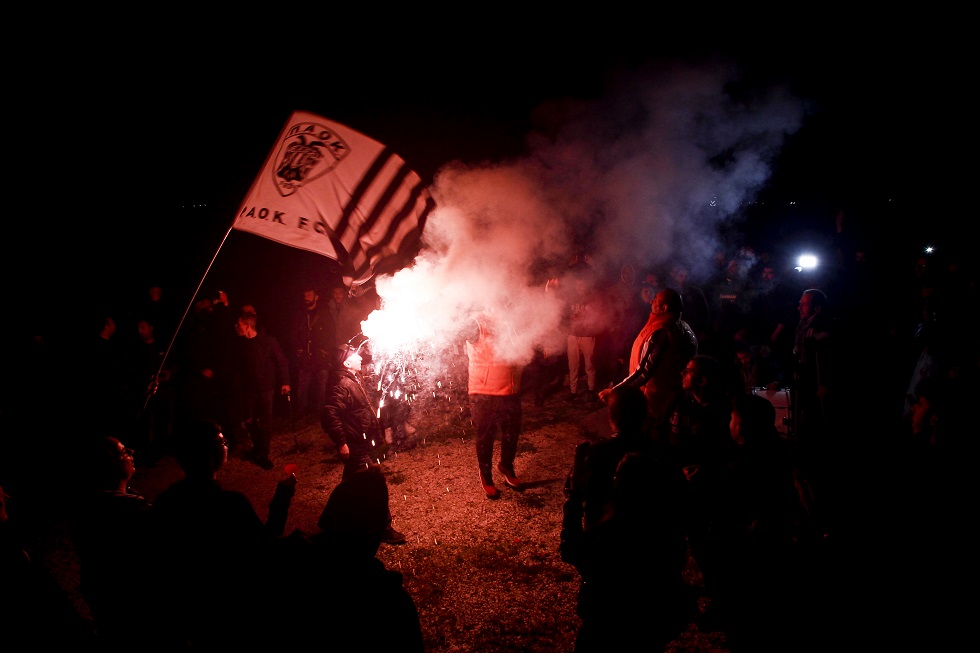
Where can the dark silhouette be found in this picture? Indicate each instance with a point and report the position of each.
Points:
(212, 547)
(620, 494)
(359, 605)
(760, 540)
(35, 613)
(314, 352)
(110, 529)
(261, 371)
(696, 441)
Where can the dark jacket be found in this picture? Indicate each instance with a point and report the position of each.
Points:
(349, 416)
(207, 543)
(262, 365)
(315, 338)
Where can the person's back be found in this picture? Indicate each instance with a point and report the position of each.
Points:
(36, 613)
(761, 586)
(211, 542)
(625, 599)
(359, 604)
(110, 533)
(589, 486)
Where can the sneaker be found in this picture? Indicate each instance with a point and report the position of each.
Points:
(510, 478)
(571, 398)
(392, 536)
(489, 487)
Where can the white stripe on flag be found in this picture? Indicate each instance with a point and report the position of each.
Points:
(329, 189)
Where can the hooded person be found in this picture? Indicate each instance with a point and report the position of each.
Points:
(361, 605)
(351, 422)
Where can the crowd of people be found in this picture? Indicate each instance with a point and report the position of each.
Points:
(878, 365)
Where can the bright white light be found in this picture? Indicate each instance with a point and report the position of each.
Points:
(806, 262)
(930, 249)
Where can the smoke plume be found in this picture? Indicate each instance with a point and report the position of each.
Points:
(643, 175)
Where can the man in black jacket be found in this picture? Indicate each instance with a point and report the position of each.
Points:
(261, 369)
(351, 422)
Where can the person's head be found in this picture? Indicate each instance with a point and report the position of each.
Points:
(647, 293)
(701, 374)
(627, 409)
(752, 420)
(247, 325)
(812, 301)
(310, 297)
(744, 356)
(338, 294)
(679, 275)
(203, 304)
(144, 328)
(353, 361)
(667, 301)
(111, 463)
(356, 515)
(200, 448)
(155, 292)
(108, 327)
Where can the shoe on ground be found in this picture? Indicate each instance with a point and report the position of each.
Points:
(510, 478)
(489, 487)
(392, 536)
(571, 398)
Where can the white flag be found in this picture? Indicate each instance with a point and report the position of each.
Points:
(329, 189)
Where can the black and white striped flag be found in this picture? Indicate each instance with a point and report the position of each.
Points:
(329, 189)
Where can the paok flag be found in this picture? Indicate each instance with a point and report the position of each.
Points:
(329, 189)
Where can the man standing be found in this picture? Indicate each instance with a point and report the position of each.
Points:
(493, 386)
(347, 313)
(262, 368)
(814, 402)
(350, 421)
(314, 347)
(584, 327)
(659, 353)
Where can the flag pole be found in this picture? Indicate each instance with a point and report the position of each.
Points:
(155, 383)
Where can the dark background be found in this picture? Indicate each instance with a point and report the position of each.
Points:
(134, 138)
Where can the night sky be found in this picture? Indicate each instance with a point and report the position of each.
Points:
(136, 141)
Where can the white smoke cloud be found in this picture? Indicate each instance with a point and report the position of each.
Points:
(644, 174)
